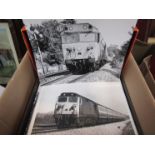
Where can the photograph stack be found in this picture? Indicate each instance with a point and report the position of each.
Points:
(79, 63)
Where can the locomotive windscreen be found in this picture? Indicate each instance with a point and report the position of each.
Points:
(73, 99)
(79, 37)
(62, 99)
(88, 37)
(70, 97)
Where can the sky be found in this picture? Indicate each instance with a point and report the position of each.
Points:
(114, 31)
(109, 94)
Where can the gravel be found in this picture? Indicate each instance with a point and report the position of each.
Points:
(105, 129)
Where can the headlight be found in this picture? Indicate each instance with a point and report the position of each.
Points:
(68, 49)
(89, 48)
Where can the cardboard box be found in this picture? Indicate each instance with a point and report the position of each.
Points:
(140, 51)
(16, 103)
(145, 69)
(140, 98)
(17, 100)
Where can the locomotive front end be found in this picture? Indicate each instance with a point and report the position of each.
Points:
(81, 47)
(66, 110)
(79, 55)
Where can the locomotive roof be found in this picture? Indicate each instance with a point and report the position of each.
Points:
(79, 27)
(75, 94)
(69, 94)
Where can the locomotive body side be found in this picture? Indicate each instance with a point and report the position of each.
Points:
(88, 112)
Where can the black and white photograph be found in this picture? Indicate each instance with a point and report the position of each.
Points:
(82, 109)
(8, 56)
(79, 50)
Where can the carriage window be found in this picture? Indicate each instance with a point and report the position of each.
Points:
(62, 99)
(73, 99)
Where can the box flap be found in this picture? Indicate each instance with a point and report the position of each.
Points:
(15, 98)
(142, 100)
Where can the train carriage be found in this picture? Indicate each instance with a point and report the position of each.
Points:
(74, 109)
(83, 48)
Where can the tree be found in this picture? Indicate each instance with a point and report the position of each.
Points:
(52, 39)
(124, 48)
(113, 50)
(49, 37)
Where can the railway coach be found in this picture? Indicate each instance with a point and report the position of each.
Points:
(74, 109)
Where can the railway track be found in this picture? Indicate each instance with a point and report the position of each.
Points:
(78, 78)
(111, 126)
(55, 79)
(69, 78)
(46, 129)
(111, 72)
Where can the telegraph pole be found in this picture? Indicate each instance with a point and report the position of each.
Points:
(41, 58)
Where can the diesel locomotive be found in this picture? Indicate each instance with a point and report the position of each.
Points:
(83, 48)
(72, 109)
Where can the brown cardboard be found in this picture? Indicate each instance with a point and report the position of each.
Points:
(140, 50)
(14, 101)
(15, 98)
(141, 97)
(151, 40)
(144, 67)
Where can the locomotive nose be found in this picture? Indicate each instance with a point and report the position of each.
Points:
(73, 107)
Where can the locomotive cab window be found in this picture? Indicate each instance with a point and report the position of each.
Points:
(73, 99)
(62, 99)
(80, 37)
(70, 38)
(88, 37)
